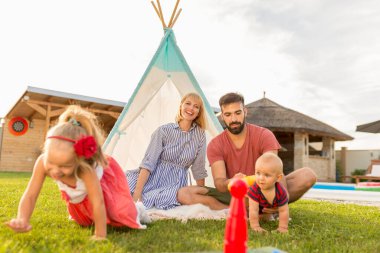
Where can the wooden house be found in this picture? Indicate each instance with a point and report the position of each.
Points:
(23, 129)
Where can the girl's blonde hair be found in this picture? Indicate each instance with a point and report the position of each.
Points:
(200, 120)
(75, 123)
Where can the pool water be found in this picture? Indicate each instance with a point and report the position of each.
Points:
(332, 186)
(341, 186)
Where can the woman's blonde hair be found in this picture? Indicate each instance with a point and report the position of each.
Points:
(200, 120)
(75, 123)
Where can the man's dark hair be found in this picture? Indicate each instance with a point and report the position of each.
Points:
(230, 98)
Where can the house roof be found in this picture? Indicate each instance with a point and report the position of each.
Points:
(275, 117)
(372, 127)
(34, 102)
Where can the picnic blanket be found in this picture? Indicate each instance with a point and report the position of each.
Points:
(186, 212)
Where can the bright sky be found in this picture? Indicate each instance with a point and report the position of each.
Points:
(318, 57)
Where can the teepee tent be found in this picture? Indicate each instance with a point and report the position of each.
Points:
(155, 101)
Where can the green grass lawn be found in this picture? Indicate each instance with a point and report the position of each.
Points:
(315, 227)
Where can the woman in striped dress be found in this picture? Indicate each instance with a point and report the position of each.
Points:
(173, 148)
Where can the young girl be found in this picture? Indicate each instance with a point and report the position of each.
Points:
(267, 192)
(94, 186)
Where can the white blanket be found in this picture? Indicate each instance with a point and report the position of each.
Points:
(185, 212)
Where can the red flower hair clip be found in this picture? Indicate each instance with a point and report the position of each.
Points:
(84, 147)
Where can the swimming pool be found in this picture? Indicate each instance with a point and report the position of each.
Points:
(364, 186)
(342, 192)
(333, 186)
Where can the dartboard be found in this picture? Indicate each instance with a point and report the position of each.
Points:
(18, 126)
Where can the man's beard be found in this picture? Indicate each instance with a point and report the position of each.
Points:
(236, 130)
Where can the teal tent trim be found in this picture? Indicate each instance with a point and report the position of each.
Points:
(115, 129)
(169, 58)
(187, 69)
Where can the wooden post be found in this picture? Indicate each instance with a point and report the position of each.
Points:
(47, 122)
(343, 161)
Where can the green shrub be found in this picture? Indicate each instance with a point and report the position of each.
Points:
(358, 172)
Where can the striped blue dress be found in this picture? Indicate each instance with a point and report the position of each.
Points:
(169, 155)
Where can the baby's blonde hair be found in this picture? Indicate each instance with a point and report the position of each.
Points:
(200, 120)
(75, 123)
(273, 159)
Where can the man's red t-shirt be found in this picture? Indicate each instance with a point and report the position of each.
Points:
(258, 141)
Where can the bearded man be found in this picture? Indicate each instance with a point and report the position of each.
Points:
(233, 154)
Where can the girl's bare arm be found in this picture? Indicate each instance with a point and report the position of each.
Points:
(95, 195)
(29, 199)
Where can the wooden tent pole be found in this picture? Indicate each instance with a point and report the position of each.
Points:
(158, 14)
(174, 11)
(175, 19)
(162, 15)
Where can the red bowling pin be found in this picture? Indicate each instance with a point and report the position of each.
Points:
(236, 233)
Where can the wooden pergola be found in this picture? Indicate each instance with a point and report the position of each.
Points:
(27, 122)
(42, 104)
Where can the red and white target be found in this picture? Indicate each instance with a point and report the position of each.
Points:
(18, 126)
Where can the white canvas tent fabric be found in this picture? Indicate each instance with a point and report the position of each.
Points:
(154, 102)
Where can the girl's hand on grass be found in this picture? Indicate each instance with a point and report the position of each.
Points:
(19, 225)
(282, 230)
(259, 230)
